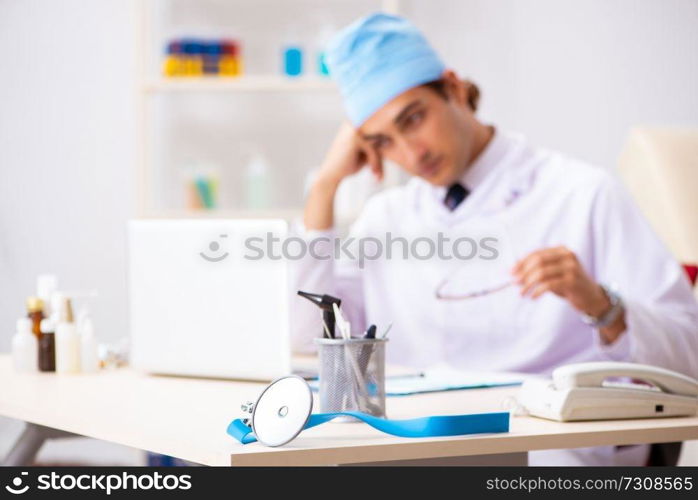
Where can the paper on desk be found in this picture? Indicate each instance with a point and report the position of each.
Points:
(447, 379)
(443, 378)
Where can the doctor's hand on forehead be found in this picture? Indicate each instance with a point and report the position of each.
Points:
(348, 154)
(559, 271)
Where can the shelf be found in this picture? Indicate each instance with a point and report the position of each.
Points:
(271, 213)
(250, 83)
(187, 120)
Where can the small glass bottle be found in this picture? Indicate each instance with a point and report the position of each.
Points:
(47, 347)
(35, 312)
(322, 40)
(293, 60)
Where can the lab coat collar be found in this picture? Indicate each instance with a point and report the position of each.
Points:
(499, 177)
(488, 159)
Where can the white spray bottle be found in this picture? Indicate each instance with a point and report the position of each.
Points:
(67, 340)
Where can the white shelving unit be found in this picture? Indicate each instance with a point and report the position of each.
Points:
(277, 213)
(158, 94)
(252, 83)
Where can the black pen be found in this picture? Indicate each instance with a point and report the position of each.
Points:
(366, 351)
(370, 332)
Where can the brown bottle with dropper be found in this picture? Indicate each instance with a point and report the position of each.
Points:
(47, 346)
(35, 312)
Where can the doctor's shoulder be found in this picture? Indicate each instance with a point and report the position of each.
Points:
(573, 177)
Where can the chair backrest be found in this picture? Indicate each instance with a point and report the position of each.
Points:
(660, 168)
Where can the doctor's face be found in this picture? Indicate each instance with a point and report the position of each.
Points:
(430, 135)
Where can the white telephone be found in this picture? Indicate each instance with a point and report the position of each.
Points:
(581, 392)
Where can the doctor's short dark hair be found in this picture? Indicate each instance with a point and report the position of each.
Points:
(439, 86)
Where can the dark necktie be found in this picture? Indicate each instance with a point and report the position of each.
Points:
(455, 195)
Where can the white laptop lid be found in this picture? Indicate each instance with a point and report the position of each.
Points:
(201, 305)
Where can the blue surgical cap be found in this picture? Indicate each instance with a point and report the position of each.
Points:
(376, 59)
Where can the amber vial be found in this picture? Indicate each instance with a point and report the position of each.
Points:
(35, 312)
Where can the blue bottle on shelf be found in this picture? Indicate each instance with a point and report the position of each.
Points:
(293, 60)
(322, 68)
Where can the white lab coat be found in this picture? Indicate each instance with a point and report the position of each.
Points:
(529, 199)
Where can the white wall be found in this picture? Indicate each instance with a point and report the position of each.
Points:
(572, 75)
(67, 149)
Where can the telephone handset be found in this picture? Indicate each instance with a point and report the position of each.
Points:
(593, 374)
(582, 391)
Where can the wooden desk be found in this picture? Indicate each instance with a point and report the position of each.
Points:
(187, 418)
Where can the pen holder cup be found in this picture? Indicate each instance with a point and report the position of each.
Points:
(352, 376)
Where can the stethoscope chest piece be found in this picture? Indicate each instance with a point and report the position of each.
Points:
(282, 410)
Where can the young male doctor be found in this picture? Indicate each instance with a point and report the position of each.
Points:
(496, 255)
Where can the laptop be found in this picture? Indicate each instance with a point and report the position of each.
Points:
(206, 299)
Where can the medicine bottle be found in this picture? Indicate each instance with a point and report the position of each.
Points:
(35, 312)
(67, 341)
(47, 347)
(24, 347)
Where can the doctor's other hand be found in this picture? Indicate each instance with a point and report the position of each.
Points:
(559, 271)
(347, 155)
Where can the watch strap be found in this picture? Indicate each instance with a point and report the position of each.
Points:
(609, 316)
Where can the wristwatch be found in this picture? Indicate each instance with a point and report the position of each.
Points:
(609, 316)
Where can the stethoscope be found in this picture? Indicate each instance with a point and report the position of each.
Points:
(285, 408)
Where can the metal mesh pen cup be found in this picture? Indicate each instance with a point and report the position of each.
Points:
(352, 375)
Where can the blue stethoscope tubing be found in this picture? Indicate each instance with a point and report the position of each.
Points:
(434, 426)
